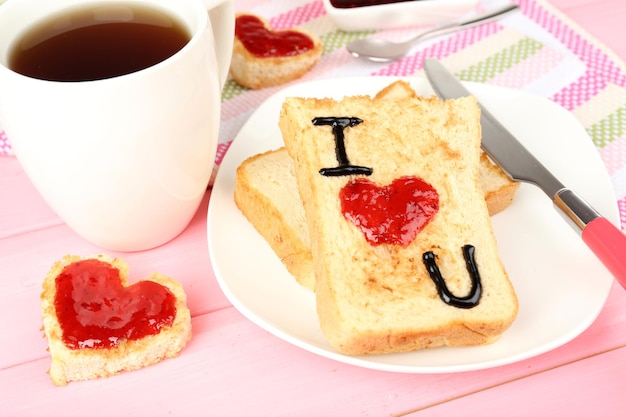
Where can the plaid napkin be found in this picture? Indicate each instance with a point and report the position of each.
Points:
(537, 50)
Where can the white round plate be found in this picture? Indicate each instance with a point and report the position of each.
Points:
(561, 286)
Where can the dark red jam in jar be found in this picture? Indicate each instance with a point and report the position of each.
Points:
(264, 43)
(96, 311)
(348, 4)
(392, 214)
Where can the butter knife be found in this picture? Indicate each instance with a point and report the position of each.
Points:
(605, 240)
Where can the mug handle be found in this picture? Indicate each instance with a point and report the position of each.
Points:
(222, 17)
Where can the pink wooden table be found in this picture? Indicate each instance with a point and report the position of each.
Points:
(232, 367)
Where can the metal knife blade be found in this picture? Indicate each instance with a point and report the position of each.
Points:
(501, 146)
(604, 239)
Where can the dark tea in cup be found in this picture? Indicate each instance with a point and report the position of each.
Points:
(96, 42)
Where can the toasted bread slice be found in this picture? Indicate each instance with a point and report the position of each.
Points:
(266, 193)
(377, 292)
(84, 362)
(256, 72)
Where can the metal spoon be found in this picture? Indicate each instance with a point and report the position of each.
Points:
(380, 50)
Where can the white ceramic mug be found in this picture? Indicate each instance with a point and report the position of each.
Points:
(124, 161)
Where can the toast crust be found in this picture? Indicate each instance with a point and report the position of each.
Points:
(81, 364)
(499, 188)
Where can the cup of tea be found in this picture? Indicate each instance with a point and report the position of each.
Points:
(113, 109)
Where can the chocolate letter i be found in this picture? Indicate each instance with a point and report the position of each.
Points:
(338, 125)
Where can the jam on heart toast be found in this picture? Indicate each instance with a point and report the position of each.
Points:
(266, 193)
(98, 325)
(264, 58)
(402, 245)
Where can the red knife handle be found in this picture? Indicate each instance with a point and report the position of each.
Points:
(608, 243)
(605, 240)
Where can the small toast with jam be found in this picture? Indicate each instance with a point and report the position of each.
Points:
(97, 325)
(263, 57)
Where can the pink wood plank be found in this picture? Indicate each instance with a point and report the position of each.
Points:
(224, 338)
(189, 263)
(232, 367)
(23, 208)
(590, 387)
(261, 383)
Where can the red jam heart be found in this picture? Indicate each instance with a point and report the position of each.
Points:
(96, 311)
(264, 43)
(393, 214)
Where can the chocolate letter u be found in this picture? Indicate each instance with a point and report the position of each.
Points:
(469, 301)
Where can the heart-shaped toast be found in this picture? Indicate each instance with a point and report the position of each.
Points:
(263, 57)
(97, 325)
(394, 213)
(262, 42)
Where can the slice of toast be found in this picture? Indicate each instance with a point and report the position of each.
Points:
(75, 358)
(378, 288)
(266, 193)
